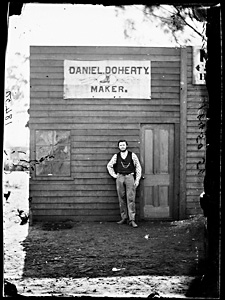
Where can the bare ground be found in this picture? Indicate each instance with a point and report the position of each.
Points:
(99, 258)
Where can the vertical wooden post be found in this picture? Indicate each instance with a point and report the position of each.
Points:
(212, 180)
(32, 158)
(183, 132)
(176, 198)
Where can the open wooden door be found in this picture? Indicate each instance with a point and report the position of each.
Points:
(158, 170)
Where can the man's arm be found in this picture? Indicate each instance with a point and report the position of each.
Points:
(110, 166)
(138, 168)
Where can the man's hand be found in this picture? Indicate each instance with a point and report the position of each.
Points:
(136, 183)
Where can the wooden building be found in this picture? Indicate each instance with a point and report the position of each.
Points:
(84, 99)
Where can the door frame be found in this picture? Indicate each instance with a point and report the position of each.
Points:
(174, 205)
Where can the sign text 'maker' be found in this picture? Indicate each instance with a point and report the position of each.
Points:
(107, 79)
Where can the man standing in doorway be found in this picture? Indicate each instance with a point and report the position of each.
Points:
(126, 169)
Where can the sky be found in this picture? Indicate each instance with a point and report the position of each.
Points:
(75, 25)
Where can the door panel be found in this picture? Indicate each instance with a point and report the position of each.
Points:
(158, 165)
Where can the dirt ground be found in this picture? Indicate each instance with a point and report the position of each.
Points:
(99, 258)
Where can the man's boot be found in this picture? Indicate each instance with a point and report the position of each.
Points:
(133, 224)
(123, 221)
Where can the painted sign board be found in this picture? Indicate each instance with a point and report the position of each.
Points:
(199, 61)
(107, 79)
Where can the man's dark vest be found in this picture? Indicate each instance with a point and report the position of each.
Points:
(124, 166)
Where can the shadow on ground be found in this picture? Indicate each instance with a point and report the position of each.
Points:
(50, 257)
(96, 249)
(104, 249)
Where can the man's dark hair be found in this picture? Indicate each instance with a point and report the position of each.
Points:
(121, 141)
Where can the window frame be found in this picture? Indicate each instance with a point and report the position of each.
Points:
(51, 145)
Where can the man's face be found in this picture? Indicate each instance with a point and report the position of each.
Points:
(122, 146)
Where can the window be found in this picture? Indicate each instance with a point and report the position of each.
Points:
(53, 152)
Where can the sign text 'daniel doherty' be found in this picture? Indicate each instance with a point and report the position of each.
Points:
(107, 79)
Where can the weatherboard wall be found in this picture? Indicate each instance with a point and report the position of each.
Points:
(95, 126)
(197, 98)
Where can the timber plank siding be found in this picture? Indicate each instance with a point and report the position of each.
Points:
(195, 174)
(86, 191)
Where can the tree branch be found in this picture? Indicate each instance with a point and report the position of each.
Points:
(179, 15)
(183, 19)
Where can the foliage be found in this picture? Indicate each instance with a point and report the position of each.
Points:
(14, 79)
(173, 20)
(22, 164)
